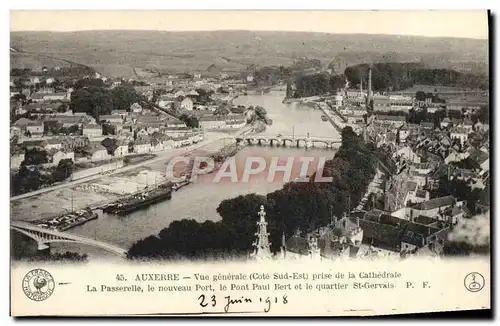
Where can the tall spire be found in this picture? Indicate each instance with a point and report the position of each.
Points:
(314, 251)
(261, 245)
(283, 246)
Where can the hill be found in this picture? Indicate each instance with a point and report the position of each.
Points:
(117, 53)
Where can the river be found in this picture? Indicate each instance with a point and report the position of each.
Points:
(199, 200)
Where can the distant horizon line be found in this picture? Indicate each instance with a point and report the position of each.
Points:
(241, 30)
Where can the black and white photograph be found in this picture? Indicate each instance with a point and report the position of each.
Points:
(289, 137)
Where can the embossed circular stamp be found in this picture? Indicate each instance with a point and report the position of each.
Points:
(474, 282)
(38, 284)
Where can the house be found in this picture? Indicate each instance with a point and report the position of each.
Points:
(192, 93)
(20, 110)
(353, 120)
(136, 108)
(15, 131)
(481, 158)
(53, 143)
(34, 80)
(46, 90)
(36, 97)
(426, 126)
(187, 104)
(58, 155)
(165, 102)
(22, 123)
(445, 123)
(382, 104)
(122, 113)
(16, 159)
(403, 133)
(481, 127)
(393, 120)
(175, 123)
(50, 81)
(468, 125)
(182, 141)
(72, 143)
(432, 207)
(423, 168)
(98, 153)
(121, 149)
(34, 144)
(56, 97)
(236, 124)
(142, 145)
(414, 194)
(112, 118)
(175, 131)
(455, 156)
(459, 133)
(466, 103)
(92, 130)
(407, 154)
(391, 233)
(68, 120)
(35, 129)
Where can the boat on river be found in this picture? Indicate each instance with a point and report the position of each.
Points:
(139, 201)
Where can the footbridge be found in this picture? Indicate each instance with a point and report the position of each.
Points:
(290, 141)
(45, 236)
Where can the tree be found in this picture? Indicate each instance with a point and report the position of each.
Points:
(190, 121)
(36, 157)
(124, 97)
(19, 98)
(420, 96)
(52, 127)
(63, 170)
(111, 144)
(94, 101)
(86, 82)
(62, 108)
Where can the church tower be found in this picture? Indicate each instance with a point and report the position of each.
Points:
(261, 245)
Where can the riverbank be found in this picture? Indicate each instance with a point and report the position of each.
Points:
(97, 190)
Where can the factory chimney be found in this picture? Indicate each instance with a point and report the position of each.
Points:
(369, 91)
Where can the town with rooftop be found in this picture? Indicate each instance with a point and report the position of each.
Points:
(408, 148)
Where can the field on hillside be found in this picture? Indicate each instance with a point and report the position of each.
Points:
(35, 62)
(117, 53)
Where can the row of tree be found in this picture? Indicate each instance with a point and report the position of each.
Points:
(394, 76)
(391, 76)
(317, 84)
(33, 178)
(100, 100)
(303, 206)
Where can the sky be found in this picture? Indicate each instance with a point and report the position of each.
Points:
(443, 23)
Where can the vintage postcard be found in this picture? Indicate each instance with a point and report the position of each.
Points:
(257, 163)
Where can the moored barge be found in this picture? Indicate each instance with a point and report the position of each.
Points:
(139, 201)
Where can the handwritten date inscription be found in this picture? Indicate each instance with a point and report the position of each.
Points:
(229, 301)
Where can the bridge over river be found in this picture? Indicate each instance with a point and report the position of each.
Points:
(290, 141)
(45, 236)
